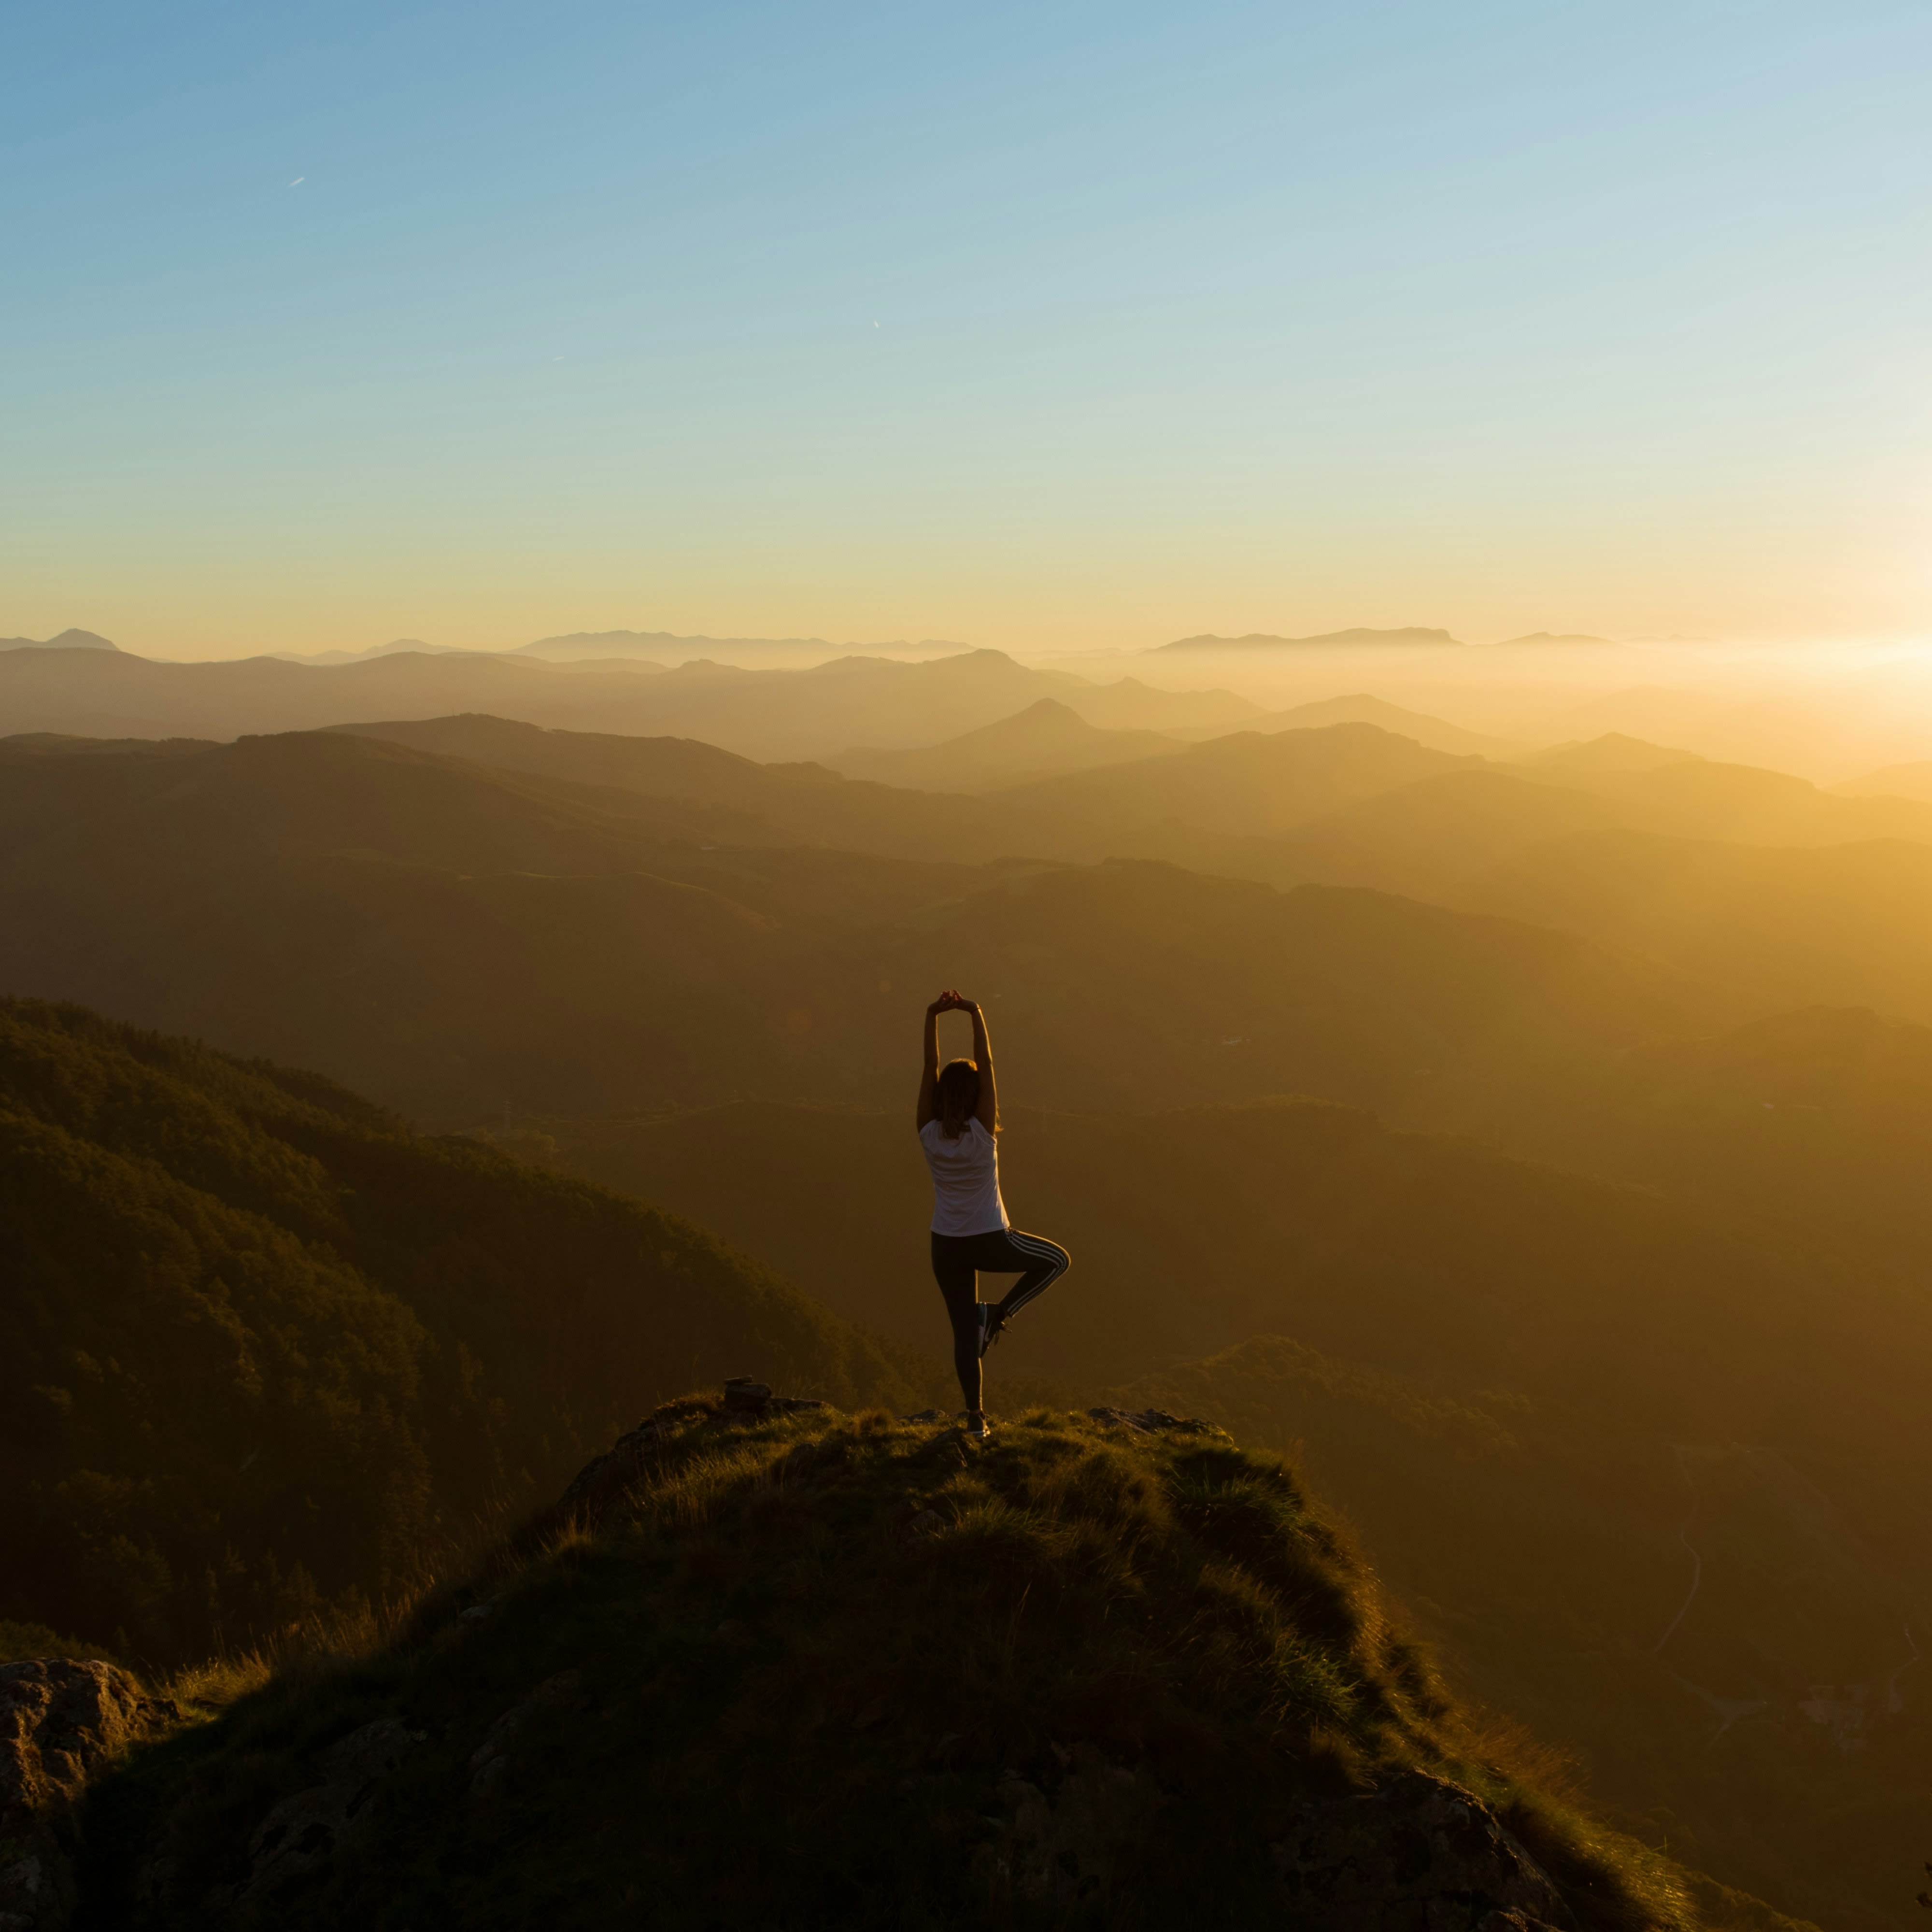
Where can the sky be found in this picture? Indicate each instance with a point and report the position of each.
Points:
(1050, 327)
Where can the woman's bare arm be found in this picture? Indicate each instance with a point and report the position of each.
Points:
(928, 1065)
(987, 1111)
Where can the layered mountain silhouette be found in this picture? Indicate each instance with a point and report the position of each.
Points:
(1842, 924)
(392, 649)
(1582, 1261)
(1044, 741)
(1613, 751)
(1362, 708)
(448, 937)
(1248, 783)
(763, 713)
(67, 640)
(1913, 781)
(670, 648)
(1258, 640)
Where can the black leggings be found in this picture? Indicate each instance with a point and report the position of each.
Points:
(957, 1262)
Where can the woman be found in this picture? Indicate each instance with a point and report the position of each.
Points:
(959, 1115)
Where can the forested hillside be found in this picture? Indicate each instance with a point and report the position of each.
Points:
(261, 1346)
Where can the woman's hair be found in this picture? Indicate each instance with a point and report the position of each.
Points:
(959, 1096)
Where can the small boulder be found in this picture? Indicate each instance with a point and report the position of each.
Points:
(743, 1397)
(1419, 1853)
(616, 1466)
(1061, 1847)
(490, 1761)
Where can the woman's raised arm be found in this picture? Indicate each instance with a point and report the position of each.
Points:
(987, 1111)
(928, 1065)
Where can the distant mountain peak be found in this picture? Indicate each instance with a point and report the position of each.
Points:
(1613, 751)
(69, 640)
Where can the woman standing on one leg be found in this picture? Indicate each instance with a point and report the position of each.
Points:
(959, 1115)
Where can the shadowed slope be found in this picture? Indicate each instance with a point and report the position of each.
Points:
(784, 804)
(1193, 1230)
(1362, 708)
(1045, 740)
(1247, 784)
(452, 938)
(1670, 1607)
(259, 1344)
(1840, 925)
(1913, 781)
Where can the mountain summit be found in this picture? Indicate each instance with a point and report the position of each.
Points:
(768, 1664)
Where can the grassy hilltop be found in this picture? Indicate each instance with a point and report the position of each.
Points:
(817, 1669)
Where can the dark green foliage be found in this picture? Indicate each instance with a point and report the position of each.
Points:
(261, 1348)
(854, 1673)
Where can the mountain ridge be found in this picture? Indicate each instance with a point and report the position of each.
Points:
(69, 640)
(1411, 635)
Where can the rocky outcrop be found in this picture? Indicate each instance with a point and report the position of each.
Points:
(1421, 1855)
(490, 1762)
(298, 1837)
(61, 1722)
(744, 1400)
(1062, 1846)
(744, 1396)
(1150, 1421)
(304, 1830)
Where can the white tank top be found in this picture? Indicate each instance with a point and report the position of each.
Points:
(965, 1179)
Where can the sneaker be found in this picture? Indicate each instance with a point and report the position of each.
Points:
(978, 1425)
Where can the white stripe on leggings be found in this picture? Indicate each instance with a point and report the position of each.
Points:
(1056, 1257)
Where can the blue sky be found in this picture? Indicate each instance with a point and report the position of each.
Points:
(1052, 324)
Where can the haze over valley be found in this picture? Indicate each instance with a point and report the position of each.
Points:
(1553, 1114)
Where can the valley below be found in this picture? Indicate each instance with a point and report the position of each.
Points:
(1518, 1151)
